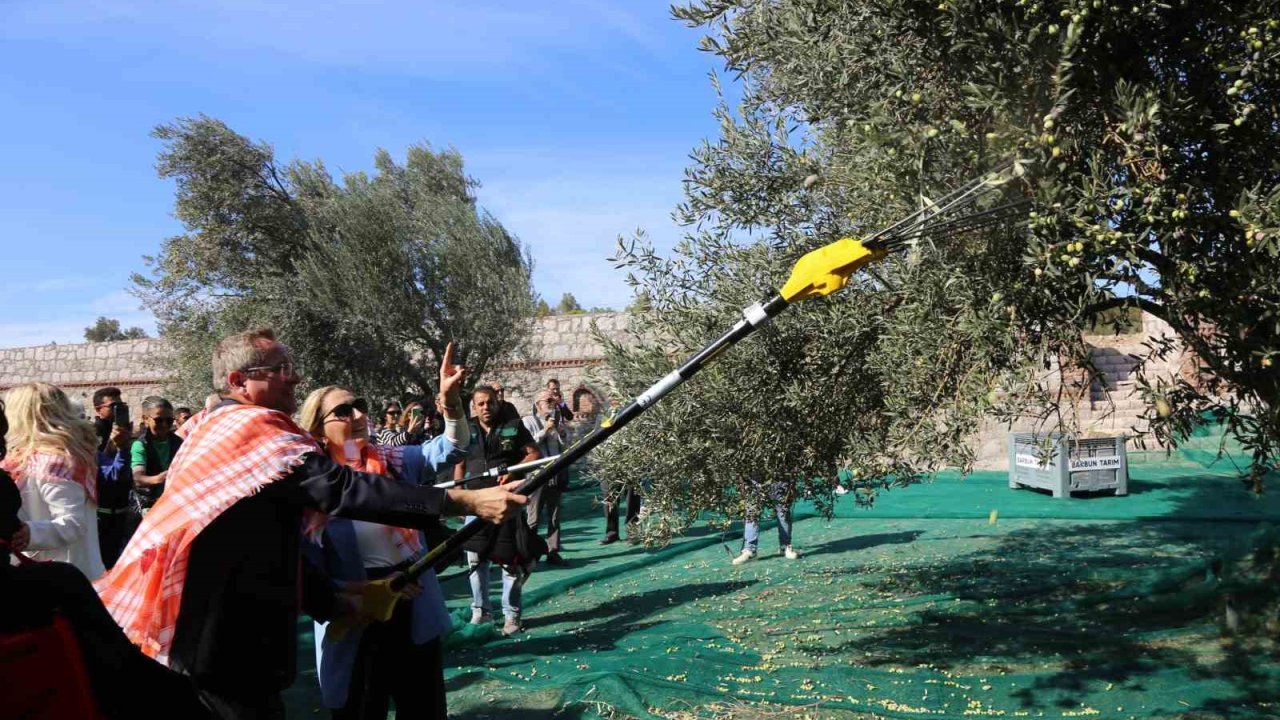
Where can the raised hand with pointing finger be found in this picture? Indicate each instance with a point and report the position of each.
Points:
(449, 401)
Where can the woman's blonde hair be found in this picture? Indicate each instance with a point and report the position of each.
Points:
(41, 419)
(312, 419)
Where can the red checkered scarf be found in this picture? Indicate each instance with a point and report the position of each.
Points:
(52, 467)
(374, 459)
(231, 454)
(190, 425)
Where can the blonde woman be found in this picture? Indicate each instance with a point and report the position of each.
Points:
(53, 459)
(363, 671)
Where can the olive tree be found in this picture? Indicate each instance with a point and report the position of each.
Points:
(1147, 130)
(367, 278)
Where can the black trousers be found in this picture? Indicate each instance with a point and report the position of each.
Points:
(390, 668)
(611, 509)
(125, 683)
(114, 530)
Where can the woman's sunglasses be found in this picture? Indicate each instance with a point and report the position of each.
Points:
(346, 411)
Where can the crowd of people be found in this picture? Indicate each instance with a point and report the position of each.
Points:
(206, 534)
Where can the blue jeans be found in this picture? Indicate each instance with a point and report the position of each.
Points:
(511, 585)
(751, 530)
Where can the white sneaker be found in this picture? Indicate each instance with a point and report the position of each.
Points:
(842, 490)
(512, 625)
(744, 556)
(790, 553)
(480, 617)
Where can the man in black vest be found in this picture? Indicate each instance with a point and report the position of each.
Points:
(498, 440)
(153, 451)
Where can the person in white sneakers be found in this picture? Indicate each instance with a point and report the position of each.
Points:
(751, 530)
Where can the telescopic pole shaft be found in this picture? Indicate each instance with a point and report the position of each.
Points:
(753, 317)
(495, 472)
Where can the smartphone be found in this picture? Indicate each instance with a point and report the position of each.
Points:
(120, 414)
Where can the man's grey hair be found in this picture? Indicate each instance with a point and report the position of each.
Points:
(237, 352)
(153, 402)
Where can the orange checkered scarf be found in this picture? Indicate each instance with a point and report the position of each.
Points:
(376, 459)
(232, 453)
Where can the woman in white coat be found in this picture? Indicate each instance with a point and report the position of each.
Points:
(52, 458)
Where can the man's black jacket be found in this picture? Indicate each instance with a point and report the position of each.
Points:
(237, 627)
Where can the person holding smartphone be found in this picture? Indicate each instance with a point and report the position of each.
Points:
(414, 424)
(563, 413)
(548, 432)
(116, 515)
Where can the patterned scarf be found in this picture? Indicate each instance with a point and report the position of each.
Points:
(376, 459)
(233, 452)
(53, 467)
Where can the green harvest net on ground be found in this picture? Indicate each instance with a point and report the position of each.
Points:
(920, 607)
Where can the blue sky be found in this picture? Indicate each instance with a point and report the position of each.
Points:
(576, 116)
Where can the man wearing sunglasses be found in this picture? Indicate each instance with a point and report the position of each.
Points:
(153, 452)
(212, 582)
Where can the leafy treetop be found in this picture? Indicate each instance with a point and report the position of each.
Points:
(1148, 130)
(108, 330)
(367, 278)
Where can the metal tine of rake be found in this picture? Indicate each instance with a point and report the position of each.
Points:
(948, 222)
(1014, 214)
(972, 221)
(952, 200)
(939, 228)
(875, 238)
(913, 217)
(959, 200)
(959, 204)
(987, 218)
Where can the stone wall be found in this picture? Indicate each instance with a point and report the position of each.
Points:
(80, 369)
(562, 347)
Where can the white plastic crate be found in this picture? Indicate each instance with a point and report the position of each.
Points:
(1064, 464)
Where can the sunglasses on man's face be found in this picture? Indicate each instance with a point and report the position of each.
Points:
(162, 421)
(346, 411)
(284, 369)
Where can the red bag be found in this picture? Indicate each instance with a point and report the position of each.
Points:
(42, 675)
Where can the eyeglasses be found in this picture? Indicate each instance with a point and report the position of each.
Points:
(285, 369)
(162, 421)
(393, 412)
(346, 411)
